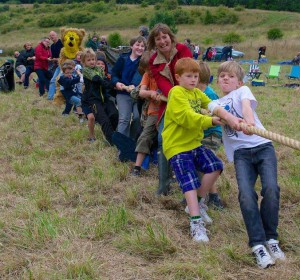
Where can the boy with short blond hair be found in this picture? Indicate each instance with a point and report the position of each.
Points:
(93, 97)
(182, 135)
(252, 155)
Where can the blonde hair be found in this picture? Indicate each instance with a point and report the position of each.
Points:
(204, 76)
(87, 52)
(186, 64)
(232, 67)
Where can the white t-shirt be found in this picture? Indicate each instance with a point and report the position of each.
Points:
(234, 140)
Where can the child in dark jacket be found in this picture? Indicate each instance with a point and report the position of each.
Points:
(93, 98)
(69, 86)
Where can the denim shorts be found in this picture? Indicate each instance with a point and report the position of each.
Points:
(186, 166)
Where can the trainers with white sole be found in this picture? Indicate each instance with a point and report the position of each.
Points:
(263, 258)
(203, 208)
(274, 250)
(198, 231)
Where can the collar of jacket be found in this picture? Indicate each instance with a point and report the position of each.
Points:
(160, 58)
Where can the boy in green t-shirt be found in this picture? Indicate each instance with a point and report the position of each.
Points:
(183, 131)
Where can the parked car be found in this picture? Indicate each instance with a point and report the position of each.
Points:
(235, 54)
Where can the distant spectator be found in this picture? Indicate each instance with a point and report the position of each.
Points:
(296, 59)
(103, 41)
(20, 68)
(29, 58)
(144, 31)
(226, 53)
(261, 52)
(41, 64)
(196, 52)
(56, 47)
(208, 54)
(93, 43)
(188, 43)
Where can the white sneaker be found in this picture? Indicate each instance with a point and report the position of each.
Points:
(263, 258)
(274, 250)
(203, 214)
(198, 231)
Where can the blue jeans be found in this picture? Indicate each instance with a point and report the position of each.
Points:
(129, 117)
(44, 80)
(52, 86)
(261, 224)
(29, 70)
(75, 100)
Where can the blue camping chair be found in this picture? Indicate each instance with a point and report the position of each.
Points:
(295, 72)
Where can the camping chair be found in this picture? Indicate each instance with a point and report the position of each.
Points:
(274, 72)
(295, 72)
(254, 71)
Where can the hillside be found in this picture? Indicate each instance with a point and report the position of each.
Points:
(22, 23)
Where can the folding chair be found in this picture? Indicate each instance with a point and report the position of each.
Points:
(274, 72)
(254, 71)
(295, 72)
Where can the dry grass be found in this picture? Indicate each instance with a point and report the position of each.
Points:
(70, 210)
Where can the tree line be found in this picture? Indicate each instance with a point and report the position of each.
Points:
(275, 5)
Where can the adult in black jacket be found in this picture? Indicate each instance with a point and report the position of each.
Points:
(29, 57)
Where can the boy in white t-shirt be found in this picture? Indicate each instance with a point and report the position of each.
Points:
(252, 156)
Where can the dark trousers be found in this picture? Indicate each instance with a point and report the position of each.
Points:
(44, 80)
(29, 70)
(102, 117)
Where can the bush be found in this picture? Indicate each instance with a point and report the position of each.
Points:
(51, 21)
(157, 7)
(225, 16)
(144, 4)
(163, 17)
(115, 40)
(239, 8)
(182, 17)
(231, 38)
(274, 34)
(208, 18)
(80, 18)
(3, 19)
(4, 8)
(170, 5)
(143, 19)
(100, 7)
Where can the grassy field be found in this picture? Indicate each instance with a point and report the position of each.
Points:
(70, 210)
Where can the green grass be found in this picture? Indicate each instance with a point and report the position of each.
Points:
(70, 210)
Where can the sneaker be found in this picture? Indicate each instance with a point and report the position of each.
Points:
(136, 171)
(92, 140)
(215, 202)
(203, 208)
(198, 231)
(274, 250)
(263, 258)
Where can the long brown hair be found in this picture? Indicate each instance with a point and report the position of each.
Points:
(159, 27)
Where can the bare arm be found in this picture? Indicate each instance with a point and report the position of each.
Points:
(230, 119)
